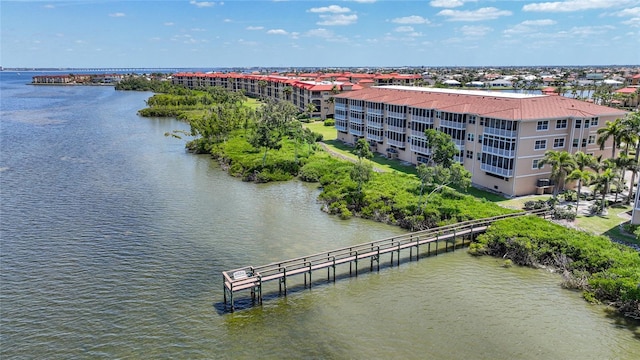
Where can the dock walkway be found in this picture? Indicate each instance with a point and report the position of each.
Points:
(253, 277)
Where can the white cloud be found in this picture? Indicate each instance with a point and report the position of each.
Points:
(277, 32)
(413, 19)
(202, 4)
(49, 6)
(448, 3)
(576, 5)
(404, 29)
(528, 26)
(254, 28)
(487, 13)
(364, 1)
(470, 30)
(331, 9)
(589, 30)
(118, 14)
(168, 23)
(629, 12)
(633, 22)
(323, 33)
(337, 19)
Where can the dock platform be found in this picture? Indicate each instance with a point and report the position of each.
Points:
(253, 277)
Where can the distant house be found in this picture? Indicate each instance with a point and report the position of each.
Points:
(500, 83)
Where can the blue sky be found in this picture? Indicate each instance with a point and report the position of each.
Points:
(270, 33)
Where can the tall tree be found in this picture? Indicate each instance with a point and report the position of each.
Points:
(603, 181)
(581, 174)
(361, 172)
(632, 126)
(443, 149)
(614, 130)
(561, 163)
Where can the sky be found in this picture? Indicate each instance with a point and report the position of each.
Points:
(277, 33)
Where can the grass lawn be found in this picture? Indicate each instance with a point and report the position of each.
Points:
(607, 224)
(328, 132)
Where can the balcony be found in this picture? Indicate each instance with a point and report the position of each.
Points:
(500, 152)
(373, 137)
(356, 120)
(397, 143)
(397, 115)
(496, 170)
(422, 119)
(396, 129)
(418, 134)
(356, 108)
(356, 132)
(420, 149)
(500, 132)
(453, 124)
(341, 126)
(378, 112)
(375, 125)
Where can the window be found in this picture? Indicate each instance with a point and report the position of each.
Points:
(540, 145)
(576, 142)
(470, 137)
(584, 142)
(586, 123)
(534, 164)
(578, 124)
(561, 124)
(480, 139)
(558, 143)
(592, 139)
(469, 154)
(594, 122)
(472, 119)
(543, 125)
(479, 157)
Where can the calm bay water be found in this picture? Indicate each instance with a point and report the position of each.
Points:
(113, 239)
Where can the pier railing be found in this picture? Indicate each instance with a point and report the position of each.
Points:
(252, 277)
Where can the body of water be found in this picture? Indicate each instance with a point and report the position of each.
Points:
(113, 240)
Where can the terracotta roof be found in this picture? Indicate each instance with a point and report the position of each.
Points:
(627, 90)
(490, 105)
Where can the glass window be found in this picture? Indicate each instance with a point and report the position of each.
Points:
(543, 125)
(540, 145)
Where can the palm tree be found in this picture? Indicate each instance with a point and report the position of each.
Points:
(561, 163)
(262, 84)
(613, 130)
(603, 181)
(632, 126)
(580, 173)
(287, 91)
(582, 177)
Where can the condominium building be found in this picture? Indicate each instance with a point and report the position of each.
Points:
(303, 89)
(501, 137)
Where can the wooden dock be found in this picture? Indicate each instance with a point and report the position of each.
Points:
(253, 277)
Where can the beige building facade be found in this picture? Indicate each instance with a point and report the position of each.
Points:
(303, 89)
(500, 136)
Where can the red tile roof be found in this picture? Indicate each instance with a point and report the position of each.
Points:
(489, 105)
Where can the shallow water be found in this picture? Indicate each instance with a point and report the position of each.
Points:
(113, 240)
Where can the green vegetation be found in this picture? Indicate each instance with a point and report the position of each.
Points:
(606, 272)
(142, 83)
(265, 141)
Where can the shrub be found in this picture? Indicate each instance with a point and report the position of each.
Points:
(329, 122)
